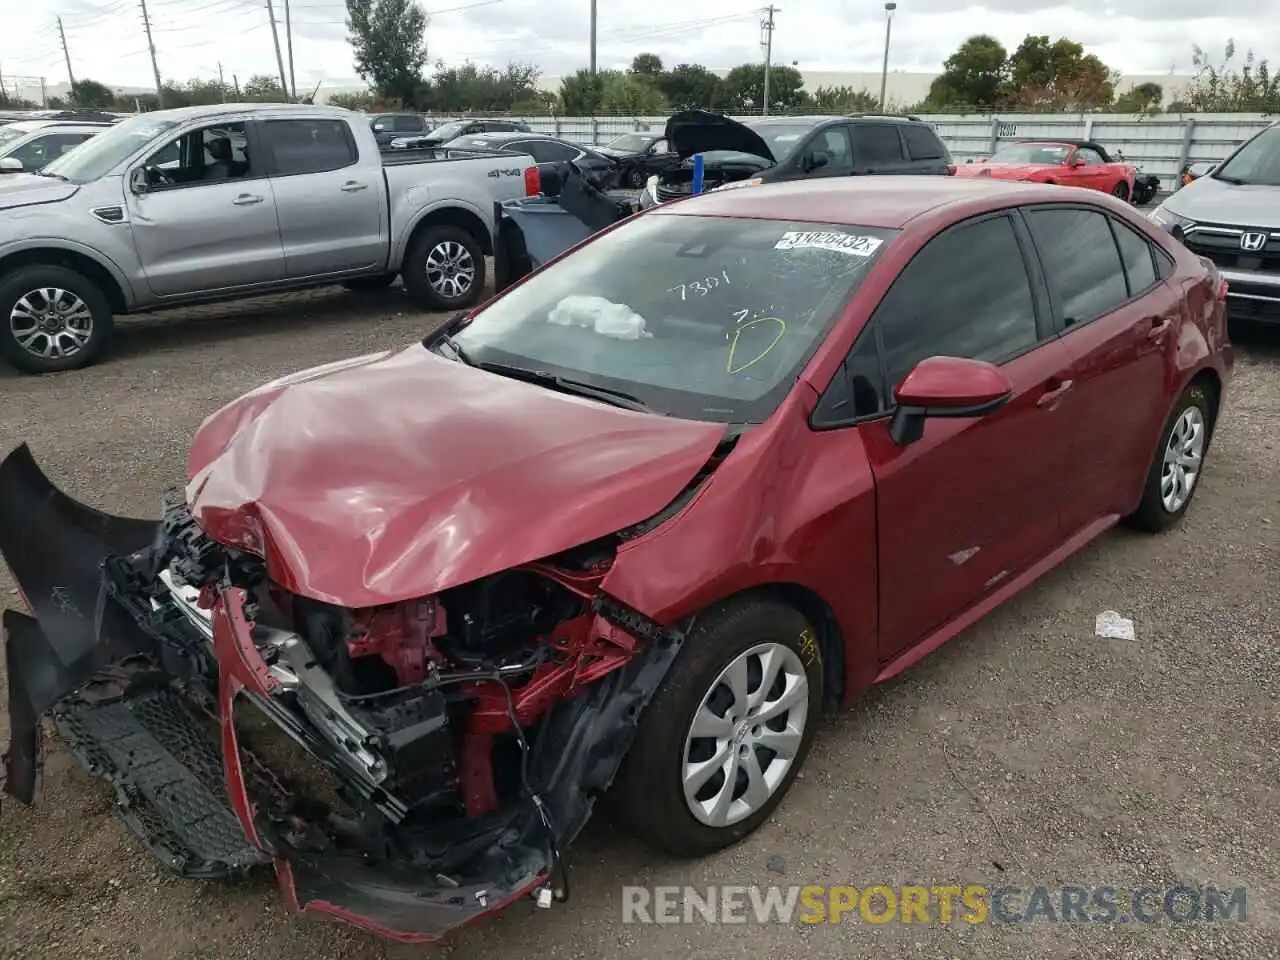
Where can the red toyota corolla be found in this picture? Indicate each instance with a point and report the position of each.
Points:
(629, 527)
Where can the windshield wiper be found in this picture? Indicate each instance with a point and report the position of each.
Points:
(1235, 181)
(443, 334)
(51, 176)
(565, 385)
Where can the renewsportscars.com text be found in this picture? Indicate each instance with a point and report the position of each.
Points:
(969, 904)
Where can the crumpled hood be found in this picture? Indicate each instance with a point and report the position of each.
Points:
(614, 152)
(25, 189)
(402, 474)
(1207, 200)
(699, 131)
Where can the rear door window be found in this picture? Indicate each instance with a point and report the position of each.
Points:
(544, 151)
(876, 143)
(1081, 261)
(308, 146)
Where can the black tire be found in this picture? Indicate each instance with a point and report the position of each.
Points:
(370, 284)
(414, 269)
(648, 794)
(1152, 514)
(636, 179)
(1121, 191)
(28, 280)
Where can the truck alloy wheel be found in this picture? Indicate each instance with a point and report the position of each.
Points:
(53, 319)
(444, 268)
(451, 271)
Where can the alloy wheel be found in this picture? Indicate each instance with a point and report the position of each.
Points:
(1183, 459)
(450, 269)
(51, 323)
(745, 735)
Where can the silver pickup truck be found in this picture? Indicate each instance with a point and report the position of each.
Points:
(234, 200)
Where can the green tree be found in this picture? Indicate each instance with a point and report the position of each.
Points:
(388, 41)
(744, 89)
(1144, 100)
(647, 65)
(688, 85)
(628, 95)
(973, 76)
(478, 88)
(91, 93)
(844, 100)
(581, 93)
(1057, 76)
(263, 88)
(1225, 88)
(364, 100)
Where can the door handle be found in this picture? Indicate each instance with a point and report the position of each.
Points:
(245, 199)
(1054, 390)
(351, 186)
(1159, 326)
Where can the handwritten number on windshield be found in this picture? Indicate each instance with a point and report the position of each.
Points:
(700, 288)
(762, 335)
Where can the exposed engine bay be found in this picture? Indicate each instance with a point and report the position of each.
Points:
(406, 767)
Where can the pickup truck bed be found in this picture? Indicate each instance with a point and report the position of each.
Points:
(227, 201)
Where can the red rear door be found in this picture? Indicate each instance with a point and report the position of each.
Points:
(1119, 321)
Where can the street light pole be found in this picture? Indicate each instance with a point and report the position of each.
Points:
(884, 70)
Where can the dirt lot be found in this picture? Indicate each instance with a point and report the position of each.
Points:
(1026, 751)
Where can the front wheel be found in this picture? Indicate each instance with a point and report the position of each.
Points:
(1121, 191)
(636, 179)
(444, 268)
(53, 319)
(723, 739)
(1175, 473)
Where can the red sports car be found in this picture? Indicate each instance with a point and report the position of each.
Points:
(1070, 163)
(628, 528)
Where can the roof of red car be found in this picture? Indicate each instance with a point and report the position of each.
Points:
(880, 201)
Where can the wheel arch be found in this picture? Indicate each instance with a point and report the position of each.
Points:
(70, 259)
(1211, 380)
(451, 216)
(811, 605)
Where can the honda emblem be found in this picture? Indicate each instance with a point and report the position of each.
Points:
(1253, 241)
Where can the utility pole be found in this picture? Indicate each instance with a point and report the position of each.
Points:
(44, 94)
(65, 53)
(884, 70)
(4, 94)
(767, 26)
(235, 82)
(593, 37)
(288, 43)
(155, 67)
(222, 87)
(275, 38)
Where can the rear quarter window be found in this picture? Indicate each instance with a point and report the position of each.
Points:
(923, 143)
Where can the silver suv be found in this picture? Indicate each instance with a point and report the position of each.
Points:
(1231, 215)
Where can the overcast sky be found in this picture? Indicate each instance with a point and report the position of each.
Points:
(192, 37)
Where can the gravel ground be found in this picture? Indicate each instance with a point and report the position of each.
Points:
(1026, 751)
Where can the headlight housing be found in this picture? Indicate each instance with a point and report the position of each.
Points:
(1169, 220)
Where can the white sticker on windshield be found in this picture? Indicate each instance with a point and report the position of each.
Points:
(786, 137)
(847, 243)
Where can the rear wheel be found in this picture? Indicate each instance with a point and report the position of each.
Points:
(724, 737)
(1121, 191)
(636, 179)
(1175, 473)
(53, 319)
(444, 268)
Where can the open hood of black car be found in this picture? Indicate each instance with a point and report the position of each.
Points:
(698, 131)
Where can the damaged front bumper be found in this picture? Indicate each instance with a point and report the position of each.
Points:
(182, 704)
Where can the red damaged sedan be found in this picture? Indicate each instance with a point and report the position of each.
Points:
(627, 529)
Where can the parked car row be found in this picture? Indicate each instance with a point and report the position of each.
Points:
(27, 145)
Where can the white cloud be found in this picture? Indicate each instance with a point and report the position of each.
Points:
(192, 37)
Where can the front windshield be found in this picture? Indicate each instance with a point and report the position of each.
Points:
(1257, 162)
(449, 130)
(634, 142)
(8, 135)
(702, 318)
(1031, 153)
(99, 155)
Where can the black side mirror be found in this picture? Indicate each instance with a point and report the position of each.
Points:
(139, 181)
